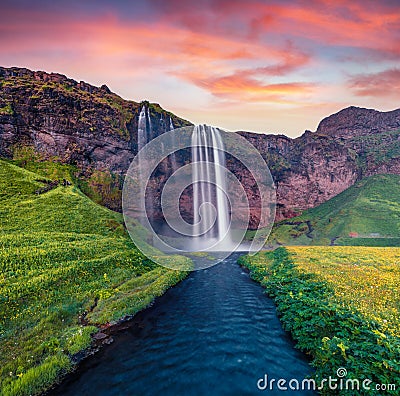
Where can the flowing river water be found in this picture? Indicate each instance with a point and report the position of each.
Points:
(215, 333)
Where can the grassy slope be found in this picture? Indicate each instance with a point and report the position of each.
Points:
(371, 206)
(341, 305)
(59, 252)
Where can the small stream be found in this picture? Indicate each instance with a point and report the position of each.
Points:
(215, 333)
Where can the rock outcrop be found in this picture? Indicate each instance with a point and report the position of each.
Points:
(96, 130)
(354, 122)
(74, 121)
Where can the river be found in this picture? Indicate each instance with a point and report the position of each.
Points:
(215, 333)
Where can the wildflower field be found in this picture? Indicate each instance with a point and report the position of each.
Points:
(341, 305)
(61, 256)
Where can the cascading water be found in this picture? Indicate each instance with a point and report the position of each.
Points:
(174, 164)
(145, 129)
(202, 206)
(162, 122)
(145, 133)
(142, 129)
(150, 130)
(210, 204)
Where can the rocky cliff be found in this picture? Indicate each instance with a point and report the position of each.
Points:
(96, 130)
(87, 126)
(348, 145)
(355, 122)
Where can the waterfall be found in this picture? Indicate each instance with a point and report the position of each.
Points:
(150, 130)
(202, 210)
(211, 209)
(142, 129)
(162, 123)
(210, 204)
(144, 136)
(174, 164)
(145, 129)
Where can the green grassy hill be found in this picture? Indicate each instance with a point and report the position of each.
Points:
(61, 256)
(367, 213)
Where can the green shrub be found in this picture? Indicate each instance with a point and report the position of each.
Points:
(333, 334)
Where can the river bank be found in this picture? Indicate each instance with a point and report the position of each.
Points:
(215, 332)
(335, 303)
(62, 256)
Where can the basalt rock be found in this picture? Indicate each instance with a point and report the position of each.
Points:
(96, 130)
(75, 122)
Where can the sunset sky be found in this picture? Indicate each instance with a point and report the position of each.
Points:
(265, 66)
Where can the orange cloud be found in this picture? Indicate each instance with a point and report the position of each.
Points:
(363, 24)
(226, 81)
(340, 22)
(243, 86)
(200, 58)
(267, 52)
(291, 59)
(383, 84)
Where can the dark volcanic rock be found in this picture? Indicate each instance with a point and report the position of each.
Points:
(95, 129)
(307, 171)
(355, 121)
(76, 122)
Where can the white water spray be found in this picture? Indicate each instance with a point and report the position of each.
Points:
(142, 129)
(210, 203)
(174, 164)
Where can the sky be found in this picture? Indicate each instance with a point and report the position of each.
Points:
(263, 66)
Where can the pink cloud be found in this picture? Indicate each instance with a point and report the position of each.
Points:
(234, 50)
(382, 84)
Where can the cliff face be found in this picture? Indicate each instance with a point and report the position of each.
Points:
(95, 129)
(80, 124)
(354, 122)
(316, 166)
(307, 171)
(373, 137)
